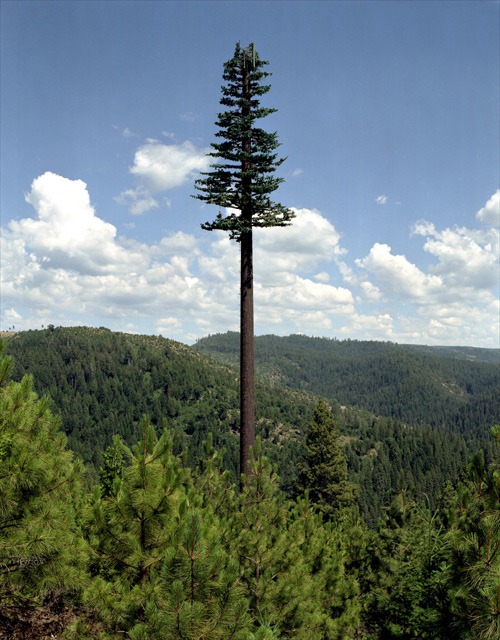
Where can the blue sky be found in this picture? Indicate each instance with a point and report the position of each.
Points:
(388, 114)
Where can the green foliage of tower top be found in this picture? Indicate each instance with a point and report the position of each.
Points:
(243, 177)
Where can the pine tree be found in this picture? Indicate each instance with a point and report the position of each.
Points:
(292, 564)
(406, 592)
(160, 568)
(475, 539)
(130, 527)
(241, 182)
(323, 471)
(201, 593)
(42, 550)
(111, 472)
(319, 551)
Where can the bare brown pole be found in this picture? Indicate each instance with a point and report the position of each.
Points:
(247, 400)
(247, 396)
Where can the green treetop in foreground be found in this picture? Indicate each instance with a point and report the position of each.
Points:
(41, 490)
(241, 182)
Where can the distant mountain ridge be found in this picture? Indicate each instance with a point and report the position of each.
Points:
(456, 388)
(477, 354)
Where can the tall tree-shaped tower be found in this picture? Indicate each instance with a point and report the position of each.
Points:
(240, 182)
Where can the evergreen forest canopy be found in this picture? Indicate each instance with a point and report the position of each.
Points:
(454, 388)
(153, 547)
(102, 383)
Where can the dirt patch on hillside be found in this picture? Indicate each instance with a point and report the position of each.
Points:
(38, 623)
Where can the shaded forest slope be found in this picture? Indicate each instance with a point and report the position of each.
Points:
(454, 388)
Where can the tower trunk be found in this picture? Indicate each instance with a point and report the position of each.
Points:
(247, 395)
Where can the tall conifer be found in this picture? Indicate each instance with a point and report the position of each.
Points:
(241, 181)
(324, 469)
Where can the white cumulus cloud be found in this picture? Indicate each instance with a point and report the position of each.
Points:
(322, 276)
(66, 232)
(490, 213)
(466, 258)
(67, 265)
(68, 261)
(452, 300)
(397, 274)
(369, 291)
(138, 200)
(160, 167)
(310, 240)
(366, 326)
(165, 166)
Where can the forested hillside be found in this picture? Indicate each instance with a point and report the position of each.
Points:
(453, 388)
(102, 383)
(154, 549)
